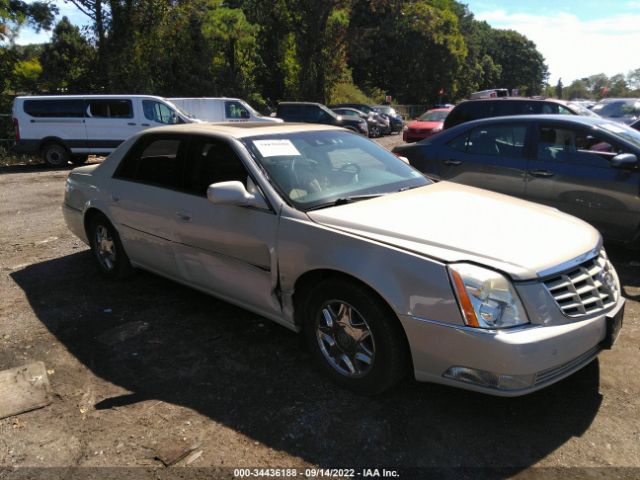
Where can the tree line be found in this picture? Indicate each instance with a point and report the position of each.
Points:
(417, 51)
(599, 86)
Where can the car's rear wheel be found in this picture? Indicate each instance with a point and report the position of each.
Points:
(55, 155)
(374, 131)
(353, 338)
(107, 249)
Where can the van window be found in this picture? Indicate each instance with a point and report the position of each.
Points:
(55, 108)
(99, 108)
(236, 110)
(154, 160)
(158, 112)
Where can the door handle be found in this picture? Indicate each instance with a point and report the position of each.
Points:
(452, 161)
(115, 198)
(541, 173)
(185, 217)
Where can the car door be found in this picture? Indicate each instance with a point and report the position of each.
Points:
(492, 156)
(225, 249)
(235, 111)
(109, 122)
(143, 197)
(571, 171)
(156, 114)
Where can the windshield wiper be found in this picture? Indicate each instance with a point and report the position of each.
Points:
(345, 200)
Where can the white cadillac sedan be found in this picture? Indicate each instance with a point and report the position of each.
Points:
(384, 271)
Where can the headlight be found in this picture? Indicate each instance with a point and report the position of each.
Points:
(487, 299)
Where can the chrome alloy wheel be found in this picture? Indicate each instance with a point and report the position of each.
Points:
(105, 247)
(345, 339)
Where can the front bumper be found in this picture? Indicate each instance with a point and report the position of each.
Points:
(543, 354)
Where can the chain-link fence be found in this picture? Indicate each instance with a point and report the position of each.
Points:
(7, 135)
(410, 112)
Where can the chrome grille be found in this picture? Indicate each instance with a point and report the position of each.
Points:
(586, 289)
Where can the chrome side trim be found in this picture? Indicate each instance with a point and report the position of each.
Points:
(571, 263)
(466, 328)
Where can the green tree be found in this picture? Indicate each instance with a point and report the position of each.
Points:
(577, 89)
(559, 88)
(67, 60)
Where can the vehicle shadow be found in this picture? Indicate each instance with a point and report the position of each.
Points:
(256, 378)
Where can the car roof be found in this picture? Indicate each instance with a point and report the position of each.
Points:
(515, 99)
(80, 97)
(299, 103)
(242, 129)
(588, 122)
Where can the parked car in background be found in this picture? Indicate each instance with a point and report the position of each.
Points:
(382, 120)
(65, 128)
(492, 93)
(584, 166)
(395, 120)
(499, 107)
(210, 109)
(624, 110)
(323, 232)
(310, 112)
(375, 129)
(427, 124)
(635, 125)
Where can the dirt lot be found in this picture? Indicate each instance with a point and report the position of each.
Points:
(241, 392)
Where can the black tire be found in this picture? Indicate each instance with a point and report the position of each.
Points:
(55, 155)
(79, 159)
(385, 344)
(114, 264)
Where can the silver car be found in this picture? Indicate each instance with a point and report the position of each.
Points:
(383, 271)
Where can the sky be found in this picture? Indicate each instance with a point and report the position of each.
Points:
(577, 38)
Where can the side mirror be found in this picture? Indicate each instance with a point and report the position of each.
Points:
(624, 160)
(233, 193)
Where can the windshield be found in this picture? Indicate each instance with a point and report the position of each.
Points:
(386, 110)
(629, 134)
(618, 108)
(177, 109)
(433, 116)
(314, 169)
(581, 110)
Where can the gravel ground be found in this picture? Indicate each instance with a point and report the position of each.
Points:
(240, 391)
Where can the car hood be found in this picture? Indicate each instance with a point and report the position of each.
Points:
(452, 223)
(430, 125)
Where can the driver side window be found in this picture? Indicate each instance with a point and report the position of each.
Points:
(158, 112)
(212, 161)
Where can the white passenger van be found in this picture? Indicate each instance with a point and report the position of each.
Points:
(222, 109)
(65, 128)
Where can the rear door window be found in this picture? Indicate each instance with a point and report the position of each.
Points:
(496, 140)
(155, 160)
(99, 108)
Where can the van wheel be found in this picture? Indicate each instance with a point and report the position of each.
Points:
(55, 155)
(79, 159)
(352, 338)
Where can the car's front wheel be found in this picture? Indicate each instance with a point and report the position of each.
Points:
(374, 131)
(353, 338)
(107, 249)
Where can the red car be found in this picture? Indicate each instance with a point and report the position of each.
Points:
(427, 124)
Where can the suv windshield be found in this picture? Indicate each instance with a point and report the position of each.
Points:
(618, 108)
(316, 169)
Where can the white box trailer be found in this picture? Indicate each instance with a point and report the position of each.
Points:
(220, 109)
(70, 127)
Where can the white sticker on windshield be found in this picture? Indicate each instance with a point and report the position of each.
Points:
(276, 148)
